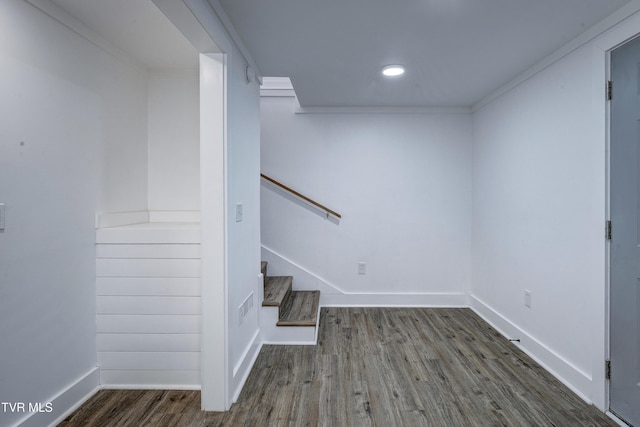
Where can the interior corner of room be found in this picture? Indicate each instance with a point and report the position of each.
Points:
(133, 220)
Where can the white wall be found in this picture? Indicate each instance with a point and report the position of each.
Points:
(73, 123)
(540, 202)
(174, 140)
(243, 238)
(402, 183)
(539, 206)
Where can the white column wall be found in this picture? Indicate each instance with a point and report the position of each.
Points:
(73, 142)
(174, 140)
(539, 209)
(539, 205)
(243, 188)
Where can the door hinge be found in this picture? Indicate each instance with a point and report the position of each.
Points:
(609, 90)
(607, 369)
(608, 230)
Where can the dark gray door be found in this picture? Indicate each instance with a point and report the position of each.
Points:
(625, 242)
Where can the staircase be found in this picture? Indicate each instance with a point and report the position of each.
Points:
(288, 316)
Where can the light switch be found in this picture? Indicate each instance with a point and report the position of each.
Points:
(362, 268)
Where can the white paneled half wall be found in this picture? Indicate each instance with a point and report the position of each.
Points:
(148, 305)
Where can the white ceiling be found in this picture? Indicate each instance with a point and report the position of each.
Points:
(138, 28)
(456, 51)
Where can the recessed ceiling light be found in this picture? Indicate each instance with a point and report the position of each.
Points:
(393, 70)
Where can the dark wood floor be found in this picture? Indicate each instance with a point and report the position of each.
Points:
(373, 367)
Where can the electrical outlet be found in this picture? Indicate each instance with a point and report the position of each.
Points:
(527, 298)
(362, 268)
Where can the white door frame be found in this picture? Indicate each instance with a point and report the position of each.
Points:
(620, 34)
(214, 365)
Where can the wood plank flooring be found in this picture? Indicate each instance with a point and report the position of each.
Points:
(372, 367)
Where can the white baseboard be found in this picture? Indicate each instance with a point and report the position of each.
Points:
(394, 300)
(578, 381)
(65, 402)
(150, 387)
(616, 419)
(243, 368)
(75, 395)
(332, 296)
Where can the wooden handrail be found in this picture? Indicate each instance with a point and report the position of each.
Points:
(302, 196)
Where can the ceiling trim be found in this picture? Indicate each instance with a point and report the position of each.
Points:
(592, 33)
(183, 18)
(277, 87)
(282, 87)
(205, 24)
(217, 12)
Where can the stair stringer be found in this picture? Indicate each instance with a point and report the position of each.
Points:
(333, 296)
(305, 280)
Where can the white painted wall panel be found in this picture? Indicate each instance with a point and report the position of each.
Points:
(539, 205)
(539, 209)
(148, 324)
(148, 342)
(152, 361)
(176, 286)
(148, 267)
(147, 305)
(159, 233)
(148, 251)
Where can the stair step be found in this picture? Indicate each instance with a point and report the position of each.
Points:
(300, 309)
(276, 290)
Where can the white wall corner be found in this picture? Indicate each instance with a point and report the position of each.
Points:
(575, 379)
(66, 401)
(242, 369)
(630, 10)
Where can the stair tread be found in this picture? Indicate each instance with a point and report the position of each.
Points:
(300, 309)
(276, 289)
